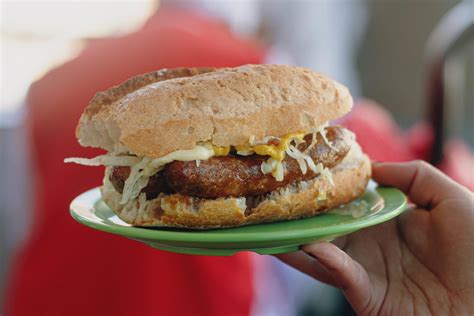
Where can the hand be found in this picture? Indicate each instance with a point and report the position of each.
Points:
(419, 263)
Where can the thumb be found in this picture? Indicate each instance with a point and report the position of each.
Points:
(425, 185)
(346, 273)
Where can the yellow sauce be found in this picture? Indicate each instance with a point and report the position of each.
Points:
(220, 151)
(278, 152)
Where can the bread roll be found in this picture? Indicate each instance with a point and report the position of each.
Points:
(150, 116)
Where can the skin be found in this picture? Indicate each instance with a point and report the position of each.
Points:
(421, 263)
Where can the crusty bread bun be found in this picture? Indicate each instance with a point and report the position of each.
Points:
(297, 200)
(151, 116)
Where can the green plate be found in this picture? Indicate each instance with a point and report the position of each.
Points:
(376, 205)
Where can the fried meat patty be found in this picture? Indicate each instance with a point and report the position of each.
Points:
(235, 175)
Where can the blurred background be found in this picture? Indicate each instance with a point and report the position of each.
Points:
(379, 49)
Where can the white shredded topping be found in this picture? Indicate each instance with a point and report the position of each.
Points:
(245, 152)
(313, 143)
(321, 195)
(136, 181)
(268, 166)
(105, 160)
(279, 172)
(322, 131)
(274, 167)
(141, 203)
(305, 161)
(325, 173)
(262, 141)
(294, 153)
(252, 139)
(147, 167)
(142, 168)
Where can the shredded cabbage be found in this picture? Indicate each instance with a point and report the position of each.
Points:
(141, 203)
(268, 166)
(252, 139)
(262, 141)
(321, 195)
(305, 161)
(278, 172)
(294, 153)
(141, 169)
(322, 131)
(105, 160)
(136, 181)
(313, 143)
(274, 167)
(200, 152)
(325, 173)
(245, 152)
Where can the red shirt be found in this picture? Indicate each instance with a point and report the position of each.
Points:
(68, 269)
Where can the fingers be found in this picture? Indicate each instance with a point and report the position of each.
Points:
(329, 264)
(425, 185)
(308, 265)
(344, 272)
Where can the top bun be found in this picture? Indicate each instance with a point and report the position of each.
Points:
(161, 112)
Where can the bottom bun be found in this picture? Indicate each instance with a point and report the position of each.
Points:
(297, 200)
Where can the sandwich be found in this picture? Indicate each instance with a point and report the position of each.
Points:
(210, 148)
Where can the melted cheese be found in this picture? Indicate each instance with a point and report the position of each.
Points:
(220, 151)
(277, 152)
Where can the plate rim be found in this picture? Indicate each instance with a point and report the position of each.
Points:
(390, 195)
